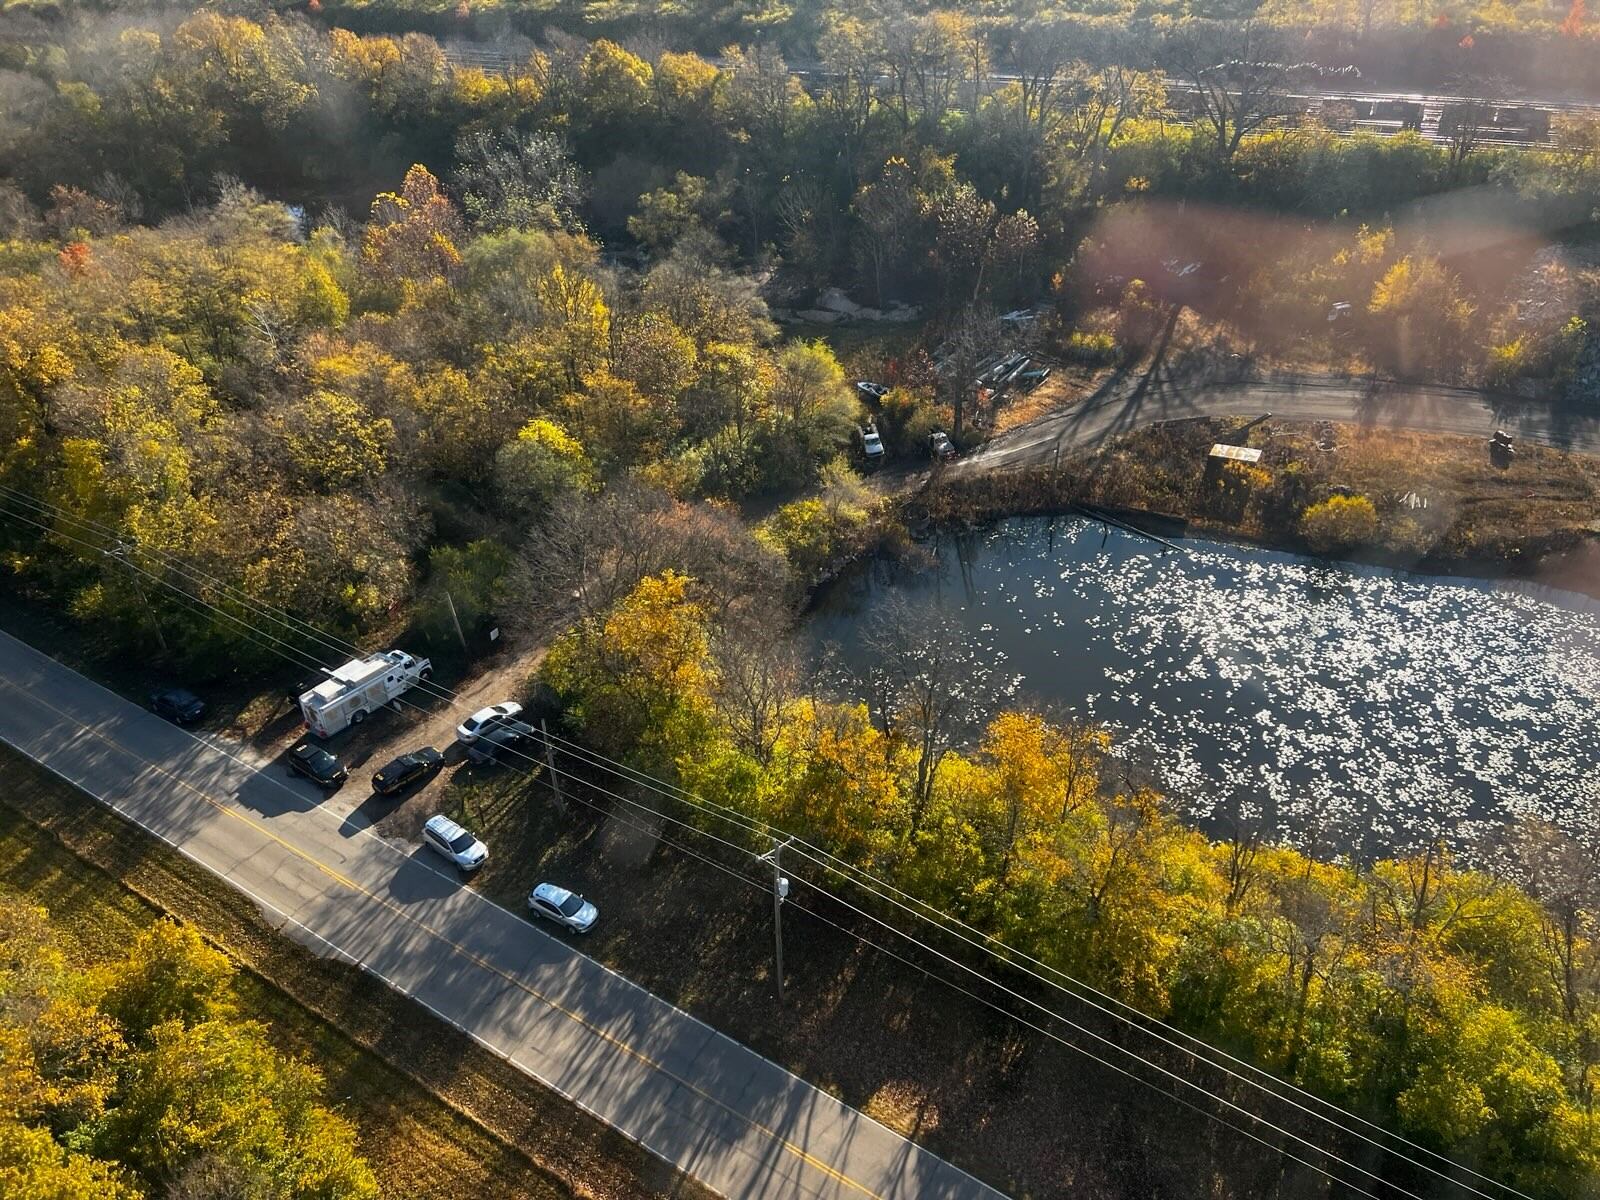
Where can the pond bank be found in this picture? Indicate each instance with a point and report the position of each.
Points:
(1439, 506)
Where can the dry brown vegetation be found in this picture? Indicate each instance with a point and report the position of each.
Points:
(1476, 514)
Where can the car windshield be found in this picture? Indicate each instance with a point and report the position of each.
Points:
(570, 906)
(462, 842)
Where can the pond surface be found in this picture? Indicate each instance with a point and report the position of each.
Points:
(1350, 708)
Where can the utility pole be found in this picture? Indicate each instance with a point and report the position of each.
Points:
(120, 553)
(780, 892)
(550, 765)
(456, 621)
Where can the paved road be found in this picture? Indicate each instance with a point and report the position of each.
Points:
(726, 1116)
(1131, 403)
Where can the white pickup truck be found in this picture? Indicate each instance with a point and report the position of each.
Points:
(359, 687)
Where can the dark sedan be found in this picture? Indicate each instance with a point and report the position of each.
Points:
(406, 770)
(177, 704)
(317, 765)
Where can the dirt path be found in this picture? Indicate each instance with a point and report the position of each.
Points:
(422, 717)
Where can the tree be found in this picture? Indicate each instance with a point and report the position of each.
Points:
(1238, 87)
(1420, 317)
(333, 442)
(220, 1087)
(466, 585)
(518, 181)
(887, 207)
(168, 974)
(812, 399)
(34, 1167)
(666, 214)
(1100, 103)
(413, 234)
(638, 680)
(922, 686)
(540, 467)
(652, 352)
(577, 321)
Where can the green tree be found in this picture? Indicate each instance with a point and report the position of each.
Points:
(539, 468)
(465, 584)
(219, 1088)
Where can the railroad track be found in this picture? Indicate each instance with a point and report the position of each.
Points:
(1425, 113)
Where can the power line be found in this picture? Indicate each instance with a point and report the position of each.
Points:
(749, 825)
(1077, 1049)
(1099, 1037)
(199, 606)
(871, 884)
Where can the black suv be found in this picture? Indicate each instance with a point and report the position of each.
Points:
(177, 704)
(317, 765)
(406, 770)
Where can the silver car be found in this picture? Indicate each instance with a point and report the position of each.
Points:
(485, 719)
(455, 843)
(567, 909)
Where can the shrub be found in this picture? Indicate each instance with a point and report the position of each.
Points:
(1090, 349)
(1339, 523)
(813, 533)
(1508, 362)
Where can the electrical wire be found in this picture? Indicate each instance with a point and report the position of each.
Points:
(817, 856)
(1120, 1070)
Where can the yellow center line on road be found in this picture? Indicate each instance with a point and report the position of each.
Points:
(639, 1056)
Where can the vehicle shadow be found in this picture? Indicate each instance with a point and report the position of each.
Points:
(424, 876)
(370, 811)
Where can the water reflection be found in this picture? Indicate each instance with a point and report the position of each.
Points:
(1347, 706)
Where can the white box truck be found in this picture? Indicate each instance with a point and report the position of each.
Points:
(359, 687)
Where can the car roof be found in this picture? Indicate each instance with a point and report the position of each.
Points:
(555, 894)
(445, 827)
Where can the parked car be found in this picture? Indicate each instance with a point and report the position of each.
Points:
(871, 443)
(870, 390)
(317, 765)
(486, 719)
(506, 735)
(940, 445)
(177, 704)
(406, 770)
(567, 909)
(454, 842)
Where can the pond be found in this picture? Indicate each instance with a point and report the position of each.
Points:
(1346, 707)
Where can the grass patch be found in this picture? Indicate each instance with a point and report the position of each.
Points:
(438, 1116)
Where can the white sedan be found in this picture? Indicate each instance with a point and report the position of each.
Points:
(486, 719)
(567, 909)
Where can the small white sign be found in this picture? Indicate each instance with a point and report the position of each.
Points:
(494, 635)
